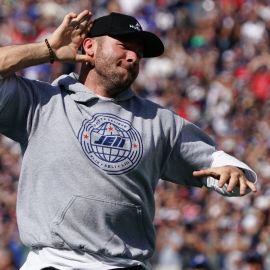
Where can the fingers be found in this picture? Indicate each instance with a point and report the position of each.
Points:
(232, 176)
(238, 179)
(252, 186)
(80, 21)
(233, 180)
(86, 30)
(224, 178)
(84, 15)
(245, 184)
(81, 25)
(70, 16)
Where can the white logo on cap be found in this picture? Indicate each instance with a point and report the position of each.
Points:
(136, 27)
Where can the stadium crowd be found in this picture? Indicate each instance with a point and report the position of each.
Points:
(216, 73)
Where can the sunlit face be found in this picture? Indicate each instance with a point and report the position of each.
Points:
(117, 62)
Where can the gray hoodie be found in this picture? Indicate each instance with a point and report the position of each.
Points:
(90, 166)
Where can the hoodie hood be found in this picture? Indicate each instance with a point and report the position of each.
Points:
(80, 93)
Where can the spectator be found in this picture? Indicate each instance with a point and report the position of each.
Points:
(254, 261)
(199, 262)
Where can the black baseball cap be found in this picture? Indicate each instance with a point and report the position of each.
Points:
(118, 24)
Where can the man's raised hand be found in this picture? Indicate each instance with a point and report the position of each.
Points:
(68, 37)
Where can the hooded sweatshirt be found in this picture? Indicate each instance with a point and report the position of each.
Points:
(91, 165)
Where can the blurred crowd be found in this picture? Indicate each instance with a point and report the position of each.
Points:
(216, 73)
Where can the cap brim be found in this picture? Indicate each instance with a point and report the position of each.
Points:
(152, 45)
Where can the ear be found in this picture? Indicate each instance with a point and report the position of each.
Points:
(89, 46)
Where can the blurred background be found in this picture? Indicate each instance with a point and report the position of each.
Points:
(215, 72)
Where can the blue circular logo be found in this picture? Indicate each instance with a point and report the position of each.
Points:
(111, 143)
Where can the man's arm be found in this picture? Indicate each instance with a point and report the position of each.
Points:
(16, 57)
(64, 42)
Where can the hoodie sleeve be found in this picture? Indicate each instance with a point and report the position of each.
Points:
(192, 149)
(18, 101)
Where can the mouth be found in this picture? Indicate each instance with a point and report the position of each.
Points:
(128, 66)
(131, 69)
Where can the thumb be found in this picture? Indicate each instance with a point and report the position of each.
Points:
(205, 172)
(85, 58)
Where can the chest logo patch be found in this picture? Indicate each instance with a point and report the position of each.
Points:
(111, 143)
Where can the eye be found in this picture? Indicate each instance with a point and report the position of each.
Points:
(138, 51)
(121, 45)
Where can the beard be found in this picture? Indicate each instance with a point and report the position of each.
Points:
(113, 73)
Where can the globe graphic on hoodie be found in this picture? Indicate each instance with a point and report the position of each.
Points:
(111, 143)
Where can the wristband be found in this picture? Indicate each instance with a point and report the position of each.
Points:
(50, 51)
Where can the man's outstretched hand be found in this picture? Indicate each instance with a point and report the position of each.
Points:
(68, 37)
(230, 175)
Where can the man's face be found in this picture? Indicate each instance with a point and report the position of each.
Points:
(117, 62)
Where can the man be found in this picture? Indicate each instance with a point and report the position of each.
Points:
(93, 152)
(253, 261)
(199, 262)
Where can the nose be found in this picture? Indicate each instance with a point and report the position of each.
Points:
(133, 56)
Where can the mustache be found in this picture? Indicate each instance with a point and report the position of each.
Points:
(130, 66)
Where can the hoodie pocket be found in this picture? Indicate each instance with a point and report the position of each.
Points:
(97, 225)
